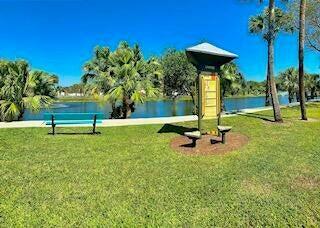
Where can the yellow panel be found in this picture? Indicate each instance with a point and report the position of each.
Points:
(211, 86)
(211, 103)
(210, 96)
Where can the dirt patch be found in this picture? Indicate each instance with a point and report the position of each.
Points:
(209, 145)
(256, 188)
(305, 182)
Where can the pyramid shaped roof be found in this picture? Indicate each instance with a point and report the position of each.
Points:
(210, 49)
(206, 54)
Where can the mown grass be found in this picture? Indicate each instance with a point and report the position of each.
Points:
(128, 176)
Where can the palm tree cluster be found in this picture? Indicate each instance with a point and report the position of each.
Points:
(21, 88)
(288, 81)
(122, 77)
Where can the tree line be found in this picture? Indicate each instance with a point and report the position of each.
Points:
(123, 78)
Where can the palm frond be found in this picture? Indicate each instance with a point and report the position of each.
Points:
(9, 110)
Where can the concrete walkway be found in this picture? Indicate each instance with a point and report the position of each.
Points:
(140, 121)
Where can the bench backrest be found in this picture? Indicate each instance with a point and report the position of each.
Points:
(73, 116)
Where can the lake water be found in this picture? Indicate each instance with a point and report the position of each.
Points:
(150, 108)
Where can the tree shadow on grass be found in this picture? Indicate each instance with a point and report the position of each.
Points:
(169, 128)
(259, 116)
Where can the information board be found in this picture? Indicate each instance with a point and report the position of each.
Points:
(210, 95)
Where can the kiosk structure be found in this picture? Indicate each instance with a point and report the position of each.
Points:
(208, 59)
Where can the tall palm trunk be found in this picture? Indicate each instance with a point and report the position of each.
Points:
(268, 91)
(302, 22)
(271, 38)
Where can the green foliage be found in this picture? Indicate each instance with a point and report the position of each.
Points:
(254, 88)
(130, 177)
(21, 89)
(122, 76)
(288, 81)
(231, 79)
(283, 22)
(180, 75)
(312, 85)
(75, 88)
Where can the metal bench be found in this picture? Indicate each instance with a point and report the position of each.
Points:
(55, 119)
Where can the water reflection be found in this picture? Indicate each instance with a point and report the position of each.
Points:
(150, 108)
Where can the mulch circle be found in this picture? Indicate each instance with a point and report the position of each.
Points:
(209, 144)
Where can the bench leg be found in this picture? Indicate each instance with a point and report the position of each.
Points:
(94, 129)
(53, 129)
(223, 138)
(94, 124)
(194, 142)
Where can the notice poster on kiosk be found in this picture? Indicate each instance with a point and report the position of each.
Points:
(210, 96)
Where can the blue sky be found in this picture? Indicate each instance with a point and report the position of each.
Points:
(59, 35)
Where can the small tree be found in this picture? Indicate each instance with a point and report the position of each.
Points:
(311, 85)
(180, 76)
(230, 80)
(288, 81)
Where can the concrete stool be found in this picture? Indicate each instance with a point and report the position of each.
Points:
(224, 130)
(194, 136)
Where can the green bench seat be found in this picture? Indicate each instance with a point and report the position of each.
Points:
(54, 119)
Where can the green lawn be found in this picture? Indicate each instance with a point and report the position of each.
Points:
(128, 176)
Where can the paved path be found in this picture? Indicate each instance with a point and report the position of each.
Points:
(140, 121)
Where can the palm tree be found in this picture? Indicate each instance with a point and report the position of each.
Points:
(231, 79)
(311, 82)
(21, 89)
(271, 22)
(288, 81)
(44, 83)
(133, 79)
(302, 22)
(122, 76)
(98, 76)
